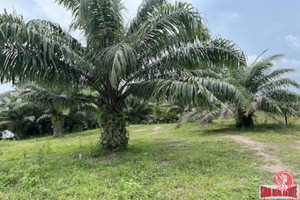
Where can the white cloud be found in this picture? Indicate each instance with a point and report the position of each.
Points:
(293, 41)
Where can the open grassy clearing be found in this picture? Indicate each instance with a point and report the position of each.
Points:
(160, 163)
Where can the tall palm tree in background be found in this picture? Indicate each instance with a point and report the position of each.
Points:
(164, 50)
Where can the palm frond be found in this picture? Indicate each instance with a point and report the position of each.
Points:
(278, 84)
(119, 61)
(203, 116)
(259, 57)
(278, 73)
(101, 21)
(226, 111)
(267, 104)
(198, 91)
(71, 5)
(256, 74)
(224, 53)
(6, 123)
(37, 51)
(166, 26)
(44, 117)
(194, 56)
(144, 10)
(56, 98)
(10, 94)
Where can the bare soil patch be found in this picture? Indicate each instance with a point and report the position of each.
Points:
(140, 130)
(175, 144)
(166, 162)
(180, 190)
(180, 151)
(274, 164)
(156, 130)
(111, 157)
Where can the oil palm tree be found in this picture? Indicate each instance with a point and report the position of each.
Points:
(268, 90)
(137, 110)
(19, 116)
(59, 102)
(159, 52)
(288, 102)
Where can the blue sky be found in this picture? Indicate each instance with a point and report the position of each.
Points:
(254, 25)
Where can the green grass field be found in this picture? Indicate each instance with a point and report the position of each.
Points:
(160, 163)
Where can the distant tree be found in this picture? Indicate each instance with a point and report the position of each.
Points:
(20, 117)
(206, 117)
(288, 102)
(138, 110)
(79, 120)
(59, 103)
(167, 112)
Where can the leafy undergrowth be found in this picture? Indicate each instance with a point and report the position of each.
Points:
(160, 163)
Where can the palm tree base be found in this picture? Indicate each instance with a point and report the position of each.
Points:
(114, 135)
(245, 121)
(57, 135)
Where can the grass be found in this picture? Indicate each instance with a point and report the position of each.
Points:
(160, 163)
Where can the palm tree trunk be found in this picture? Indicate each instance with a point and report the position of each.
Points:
(19, 132)
(113, 129)
(286, 120)
(57, 126)
(242, 120)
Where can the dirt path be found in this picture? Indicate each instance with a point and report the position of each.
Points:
(140, 130)
(156, 130)
(273, 163)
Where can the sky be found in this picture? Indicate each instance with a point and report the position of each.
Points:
(254, 25)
